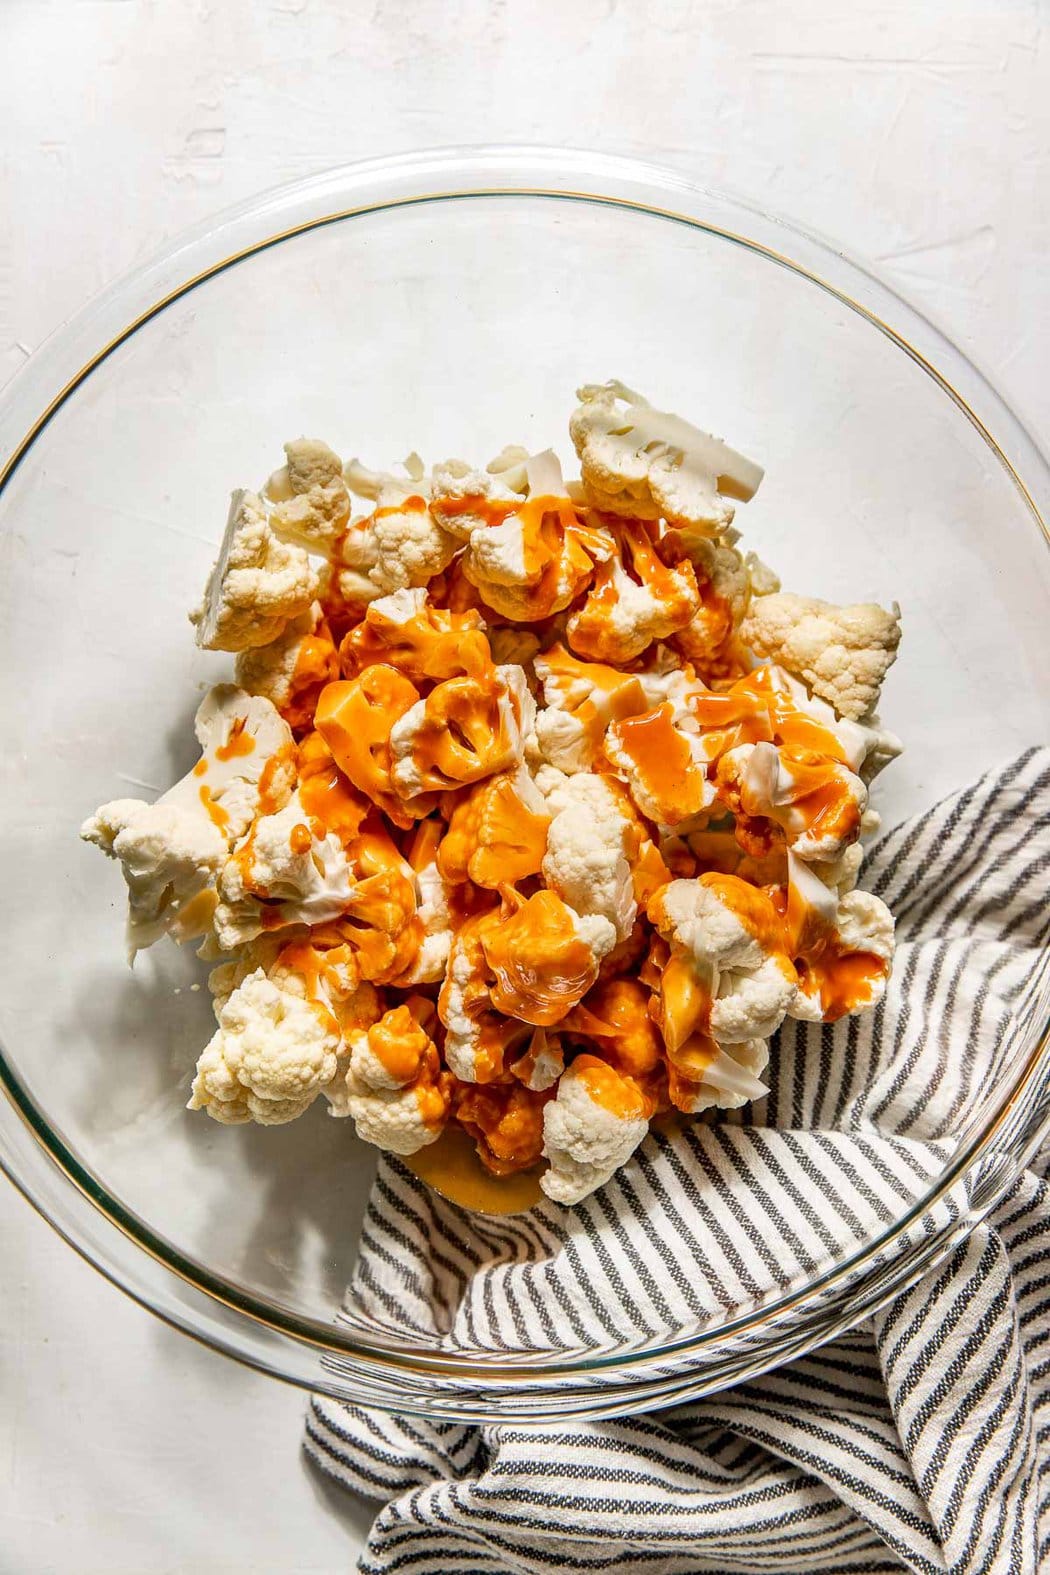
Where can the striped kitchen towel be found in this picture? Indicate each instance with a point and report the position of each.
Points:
(920, 1441)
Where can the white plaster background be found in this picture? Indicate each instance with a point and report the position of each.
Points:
(918, 135)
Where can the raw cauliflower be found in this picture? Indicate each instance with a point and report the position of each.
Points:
(591, 1128)
(393, 1090)
(170, 855)
(852, 924)
(283, 874)
(842, 653)
(293, 667)
(648, 464)
(269, 1059)
(172, 851)
(590, 843)
(258, 583)
(729, 1079)
(752, 988)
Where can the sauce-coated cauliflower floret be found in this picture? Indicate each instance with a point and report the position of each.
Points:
(728, 977)
(636, 599)
(818, 804)
(591, 845)
(281, 874)
(393, 1089)
(582, 699)
(465, 500)
(432, 907)
(649, 464)
(292, 670)
(842, 653)
(844, 946)
(497, 832)
(464, 730)
(591, 1128)
(356, 718)
(533, 561)
(426, 644)
(268, 1060)
(660, 756)
(258, 583)
(506, 1122)
(723, 579)
(543, 956)
(477, 1037)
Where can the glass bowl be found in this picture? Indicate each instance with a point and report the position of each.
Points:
(449, 302)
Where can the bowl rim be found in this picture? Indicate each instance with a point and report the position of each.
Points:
(73, 352)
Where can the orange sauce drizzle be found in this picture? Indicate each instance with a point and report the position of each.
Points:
(238, 741)
(216, 812)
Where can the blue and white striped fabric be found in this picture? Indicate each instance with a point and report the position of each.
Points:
(920, 1441)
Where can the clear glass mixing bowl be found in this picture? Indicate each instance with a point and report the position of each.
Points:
(449, 302)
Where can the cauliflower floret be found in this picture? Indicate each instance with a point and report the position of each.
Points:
(393, 1089)
(636, 599)
(725, 1081)
(170, 850)
(724, 582)
(463, 731)
(464, 497)
(410, 546)
(591, 1128)
(540, 1067)
(282, 874)
(510, 467)
(315, 520)
(582, 698)
(533, 561)
(842, 653)
(170, 856)
(292, 670)
(309, 463)
(817, 803)
(476, 1036)
(648, 464)
(497, 832)
(258, 583)
(269, 1059)
(729, 975)
(591, 843)
(845, 947)
(543, 956)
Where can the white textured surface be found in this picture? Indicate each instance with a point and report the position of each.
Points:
(918, 136)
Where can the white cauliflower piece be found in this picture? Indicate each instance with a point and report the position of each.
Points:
(432, 908)
(459, 486)
(842, 653)
(510, 467)
(170, 856)
(314, 520)
(730, 1079)
(172, 851)
(269, 1059)
(268, 670)
(410, 547)
(258, 583)
(587, 857)
(632, 614)
(365, 483)
(311, 463)
(586, 1137)
(752, 987)
(648, 464)
(542, 1063)
(282, 874)
(846, 925)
